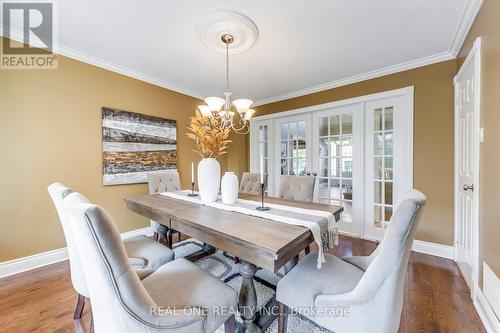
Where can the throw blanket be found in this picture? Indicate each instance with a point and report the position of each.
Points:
(322, 224)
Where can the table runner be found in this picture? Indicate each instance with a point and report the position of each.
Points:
(322, 224)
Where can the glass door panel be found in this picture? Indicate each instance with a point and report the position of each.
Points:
(293, 144)
(384, 155)
(261, 139)
(338, 160)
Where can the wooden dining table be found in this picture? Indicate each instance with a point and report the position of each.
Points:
(256, 241)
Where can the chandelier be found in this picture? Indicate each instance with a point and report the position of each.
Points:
(219, 110)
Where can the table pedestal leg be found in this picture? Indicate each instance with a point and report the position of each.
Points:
(247, 304)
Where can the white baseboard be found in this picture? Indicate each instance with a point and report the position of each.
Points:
(490, 321)
(24, 264)
(434, 249)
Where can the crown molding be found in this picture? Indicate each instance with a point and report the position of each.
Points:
(466, 21)
(429, 60)
(98, 62)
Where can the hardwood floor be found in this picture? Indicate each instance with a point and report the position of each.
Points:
(436, 298)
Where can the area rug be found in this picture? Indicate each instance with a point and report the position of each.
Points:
(222, 266)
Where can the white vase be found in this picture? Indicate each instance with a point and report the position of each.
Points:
(208, 179)
(229, 188)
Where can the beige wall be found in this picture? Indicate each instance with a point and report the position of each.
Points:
(487, 26)
(50, 130)
(433, 136)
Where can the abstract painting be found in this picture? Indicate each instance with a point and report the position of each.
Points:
(135, 145)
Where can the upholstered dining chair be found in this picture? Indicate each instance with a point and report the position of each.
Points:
(250, 183)
(299, 188)
(178, 297)
(359, 293)
(163, 182)
(144, 254)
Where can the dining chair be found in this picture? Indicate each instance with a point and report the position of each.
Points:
(178, 297)
(358, 293)
(144, 254)
(299, 188)
(164, 182)
(250, 183)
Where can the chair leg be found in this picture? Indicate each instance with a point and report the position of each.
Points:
(230, 325)
(80, 303)
(308, 249)
(282, 318)
(156, 236)
(179, 239)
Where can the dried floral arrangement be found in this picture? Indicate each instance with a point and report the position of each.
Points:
(211, 140)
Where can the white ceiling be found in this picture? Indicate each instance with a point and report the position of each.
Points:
(303, 46)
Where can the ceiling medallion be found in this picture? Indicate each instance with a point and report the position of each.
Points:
(213, 26)
(227, 32)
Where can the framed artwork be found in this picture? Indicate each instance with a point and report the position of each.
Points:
(135, 145)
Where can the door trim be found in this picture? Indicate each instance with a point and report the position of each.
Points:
(407, 91)
(475, 55)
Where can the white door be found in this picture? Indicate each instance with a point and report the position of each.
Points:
(388, 166)
(292, 147)
(338, 161)
(467, 120)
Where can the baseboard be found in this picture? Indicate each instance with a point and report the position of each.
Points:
(433, 249)
(24, 264)
(490, 321)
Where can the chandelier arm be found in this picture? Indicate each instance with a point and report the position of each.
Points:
(239, 130)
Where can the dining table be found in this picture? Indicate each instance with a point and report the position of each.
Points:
(257, 242)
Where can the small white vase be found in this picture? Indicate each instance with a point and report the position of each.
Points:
(209, 179)
(229, 188)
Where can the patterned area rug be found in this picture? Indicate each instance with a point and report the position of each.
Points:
(223, 267)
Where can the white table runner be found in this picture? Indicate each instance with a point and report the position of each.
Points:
(322, 224)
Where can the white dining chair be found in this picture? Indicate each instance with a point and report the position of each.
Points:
(250, 183)
(144, 254)
(159, 182)
(298, 188)
(360, 293)
(179, 297)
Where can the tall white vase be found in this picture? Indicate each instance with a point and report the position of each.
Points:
(229, 188)
(209, 179)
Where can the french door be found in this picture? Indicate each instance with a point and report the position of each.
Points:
(338, 159)
(388, 165)
(359, 150)
(292, 147)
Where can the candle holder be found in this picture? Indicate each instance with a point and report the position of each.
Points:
(262, 207)
(192, 194)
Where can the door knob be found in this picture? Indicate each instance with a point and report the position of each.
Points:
(469, 187)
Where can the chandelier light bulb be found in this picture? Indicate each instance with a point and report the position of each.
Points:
(248, 114)
(242, 104)
(214, 103)
(205, 110)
